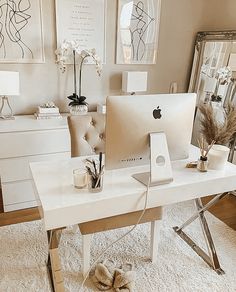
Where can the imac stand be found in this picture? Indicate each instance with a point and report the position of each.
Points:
(160, 166)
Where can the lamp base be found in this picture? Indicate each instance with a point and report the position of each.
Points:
(8, 116)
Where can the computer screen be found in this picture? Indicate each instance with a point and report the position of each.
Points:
(130, 119)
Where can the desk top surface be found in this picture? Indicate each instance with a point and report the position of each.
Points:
(63, 205)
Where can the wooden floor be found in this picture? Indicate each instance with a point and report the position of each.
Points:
(225, 210)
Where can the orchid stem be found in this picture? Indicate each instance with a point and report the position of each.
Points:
(74, 73)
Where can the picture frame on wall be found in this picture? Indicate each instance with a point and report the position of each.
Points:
(83, 21)
(137, 31)
(21, 32)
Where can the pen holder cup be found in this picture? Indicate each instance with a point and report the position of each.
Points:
(95, 185)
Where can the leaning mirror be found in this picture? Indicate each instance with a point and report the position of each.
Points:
(213, 77)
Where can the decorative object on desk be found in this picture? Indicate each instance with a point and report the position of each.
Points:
(204, 150)
(218, 156)
(191, 164)
(80, 178)
(95, 174)
(69, 49)
(134, 81)
(9, 85)
(223, 131)
(137, 31)
(47, 111)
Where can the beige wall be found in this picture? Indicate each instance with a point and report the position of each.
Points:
(180, 20)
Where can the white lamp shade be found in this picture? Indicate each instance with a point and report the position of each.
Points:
(133, 81)
(9, 83)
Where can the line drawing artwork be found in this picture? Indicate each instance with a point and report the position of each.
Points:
(14, 21)
(141, 21)
(137, 31)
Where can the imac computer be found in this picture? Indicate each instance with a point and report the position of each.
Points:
(131, 119)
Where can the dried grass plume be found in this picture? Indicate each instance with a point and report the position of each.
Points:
(222, 133)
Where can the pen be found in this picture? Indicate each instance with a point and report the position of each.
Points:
(100, 161)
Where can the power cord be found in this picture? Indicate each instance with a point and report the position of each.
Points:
(119, 239)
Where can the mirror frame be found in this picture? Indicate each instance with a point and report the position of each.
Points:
(201, 39)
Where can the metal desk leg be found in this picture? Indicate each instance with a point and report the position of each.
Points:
(211, 258)
(53, 263)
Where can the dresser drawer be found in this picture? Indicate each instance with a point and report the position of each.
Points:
(15, 169)
(18, 192)
(34, 143)
(20, 206)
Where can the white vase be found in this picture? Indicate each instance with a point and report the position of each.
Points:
(80, 109)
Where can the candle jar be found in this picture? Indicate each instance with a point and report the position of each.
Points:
(218, 156)
(80, 178)
(202, 164)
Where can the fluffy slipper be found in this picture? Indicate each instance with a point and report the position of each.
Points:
(103, 277)
(124, 279)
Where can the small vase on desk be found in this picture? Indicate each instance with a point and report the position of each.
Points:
(202, 164)
(80, 109)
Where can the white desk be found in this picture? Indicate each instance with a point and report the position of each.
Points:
(62, 205)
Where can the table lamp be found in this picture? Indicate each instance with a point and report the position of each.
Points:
(9, 85)
(134, 81)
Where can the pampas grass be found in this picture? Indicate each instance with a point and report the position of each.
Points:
(221, 133)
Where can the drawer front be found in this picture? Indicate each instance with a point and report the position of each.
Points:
(15, 169)
(18, 192)
(20, 206)
(34, 143)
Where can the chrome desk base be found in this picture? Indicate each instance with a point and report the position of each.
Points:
(211, 258)
(53, 262)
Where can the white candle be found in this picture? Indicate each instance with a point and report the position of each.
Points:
(80, 178)
(218, 156)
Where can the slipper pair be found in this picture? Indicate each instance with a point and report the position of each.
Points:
(121, 279)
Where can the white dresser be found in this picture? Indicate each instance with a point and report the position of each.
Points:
(22, 141)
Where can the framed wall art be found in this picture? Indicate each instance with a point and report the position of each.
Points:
(137, 31)
(21, 31)
(83, 21)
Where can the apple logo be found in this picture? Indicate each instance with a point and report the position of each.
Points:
(157, 113)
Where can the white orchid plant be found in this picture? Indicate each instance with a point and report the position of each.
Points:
(223, 76)
(71, 49)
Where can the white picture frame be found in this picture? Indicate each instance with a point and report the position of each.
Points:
(21, 32)
(137, 31)
(83, 20)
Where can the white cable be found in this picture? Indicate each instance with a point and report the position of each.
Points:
(120, 238)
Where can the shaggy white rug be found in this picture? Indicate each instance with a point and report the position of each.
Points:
(23, 252)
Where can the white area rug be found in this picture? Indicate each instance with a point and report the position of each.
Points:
(23, 252)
